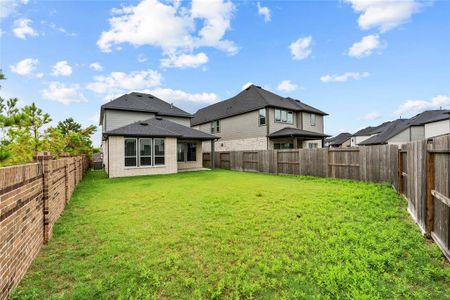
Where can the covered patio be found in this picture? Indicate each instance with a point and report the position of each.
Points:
(295, 138)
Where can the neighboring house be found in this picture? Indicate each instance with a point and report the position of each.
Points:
(144, 135)
(425, 125)
(257, 119)
(340, 141)
(366, 133)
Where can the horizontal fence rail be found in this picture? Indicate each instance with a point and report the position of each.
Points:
(32, 197)
(418, 170)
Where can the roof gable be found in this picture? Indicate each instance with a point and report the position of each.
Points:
(144, 103)
(250, 99)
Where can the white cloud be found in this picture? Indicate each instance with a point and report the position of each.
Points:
(7, 7)
(171, 26)
(301, 48)
(40, 75)
(344, 77)
(383, 14)
(57, 91)
(62, 68)
(410, 106)
(22, 28)
(119, 82)
(25, 67)
(178, 96)
(264, 11)
(246, 85)
(96, 66)
(183, 61)
(366, 46)
(287, 86)
(370, 116)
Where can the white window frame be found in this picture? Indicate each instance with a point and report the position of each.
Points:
(159, 155)
(312, 119)
(146, 156)
(138, 152)
(283, 116)
(262, 112)
(134, 156)
(215, 126)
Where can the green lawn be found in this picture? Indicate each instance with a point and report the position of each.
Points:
(225, 234)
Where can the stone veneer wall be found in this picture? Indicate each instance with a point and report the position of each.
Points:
(32, 197)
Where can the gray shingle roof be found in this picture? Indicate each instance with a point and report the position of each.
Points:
(144, 103)
(295, 132)
(159, 127)
(339, 139)
(393, 128)
(372, 129)
(250, 99)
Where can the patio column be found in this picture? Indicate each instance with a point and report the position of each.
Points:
(295, 143)
(212, 163)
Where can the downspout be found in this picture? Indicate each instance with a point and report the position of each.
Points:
(108, 155)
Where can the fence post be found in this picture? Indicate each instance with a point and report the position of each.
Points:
(66, 175)
(401, 187)
(44, 158)
(430, 186)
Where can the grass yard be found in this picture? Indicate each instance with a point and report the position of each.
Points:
(225, 234)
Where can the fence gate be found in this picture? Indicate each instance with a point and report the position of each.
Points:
(224, 160)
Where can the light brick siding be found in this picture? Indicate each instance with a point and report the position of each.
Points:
(32, 197)
(258, 143)
(117, 162)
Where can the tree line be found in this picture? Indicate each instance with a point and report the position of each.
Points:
(25, 131)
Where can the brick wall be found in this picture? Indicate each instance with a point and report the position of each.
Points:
(32, 197)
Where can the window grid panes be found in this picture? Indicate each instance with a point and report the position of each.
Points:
(284, 116)
(130, 152)
(215, 126)
(262, 117)
(143, 152)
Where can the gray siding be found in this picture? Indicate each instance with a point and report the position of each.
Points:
(275, 126)
(401, 138)
(307, 123)
(118, 118)
(437, 128)
(237, 127)
(417, 133)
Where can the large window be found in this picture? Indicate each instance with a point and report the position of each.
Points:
(142, 152)
(313, 119)
(130, 152)
(262, 117)
(159, 151)
(215, 126)
(284, 116)
(145, 152)
(186, 152)
(313, 145)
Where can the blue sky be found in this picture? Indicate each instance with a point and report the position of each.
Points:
(363, 62)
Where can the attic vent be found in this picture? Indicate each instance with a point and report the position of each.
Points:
(151, 97)
(138, 95)
(158, 118)
(144, 124)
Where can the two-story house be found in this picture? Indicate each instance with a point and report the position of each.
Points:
(144, 135)
(257, 119)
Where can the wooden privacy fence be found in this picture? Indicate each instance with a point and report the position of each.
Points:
(418, 170)
(376, 163)
(32, 197)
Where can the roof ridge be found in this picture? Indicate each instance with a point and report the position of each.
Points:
(257, 91)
